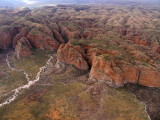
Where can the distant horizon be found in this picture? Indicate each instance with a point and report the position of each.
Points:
(38, 3)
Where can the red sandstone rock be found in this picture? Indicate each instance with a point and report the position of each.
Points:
(23, 48)
(58, 37)
(70, 55)
(102, 70)
(23, 33)
(124, 73)
(138, 41)
(116, 72)
(149, 77)
(130, 73)
(5, 40)
(138, 55)
(68, 35)
(41, 40)
(156, 47)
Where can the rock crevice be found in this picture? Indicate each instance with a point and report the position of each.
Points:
(114, 71)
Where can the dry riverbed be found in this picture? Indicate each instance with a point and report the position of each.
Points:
(66, 96)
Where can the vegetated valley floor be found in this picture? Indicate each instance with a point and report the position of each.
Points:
(65, 88)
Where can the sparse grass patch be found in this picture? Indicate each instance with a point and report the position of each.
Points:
(70, 24)
(11, 81)
(111, 46)
(59, 98)
(120, 104)
(32, 64)
(119, 57)
(74, 42)
(36, 31)
(106, 57)
(63, 104)
(17, 111)
(69, 73)
(85, 97)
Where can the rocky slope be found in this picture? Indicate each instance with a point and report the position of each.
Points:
(112, 66)
(65, 92)
(111, 41)
(97, 50)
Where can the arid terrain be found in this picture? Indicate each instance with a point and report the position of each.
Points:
(80, 62)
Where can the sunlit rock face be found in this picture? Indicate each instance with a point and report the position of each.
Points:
(109, 66)
(23, 48)
(72, 55)
(80, 62)
(113, 52)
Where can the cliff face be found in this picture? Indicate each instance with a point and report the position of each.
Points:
(23, 48)
(111, 66)
(72, 55)
(5, 40)
(96, 49)
(117, 49)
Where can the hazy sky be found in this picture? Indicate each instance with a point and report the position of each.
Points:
(17, 3)
(29, 1)
(76, 1)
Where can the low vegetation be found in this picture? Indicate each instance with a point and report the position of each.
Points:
(59, 100)
(32, 64)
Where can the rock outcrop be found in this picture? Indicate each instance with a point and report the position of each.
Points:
(103, 70)
(106, 65)
(72, 55)
(5, 40)
(120, 53)
(23, 48)
(23, 33)
(42, 40)
(149, 77)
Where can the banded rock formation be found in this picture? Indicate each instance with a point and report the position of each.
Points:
(115, 48)
(109, 66)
